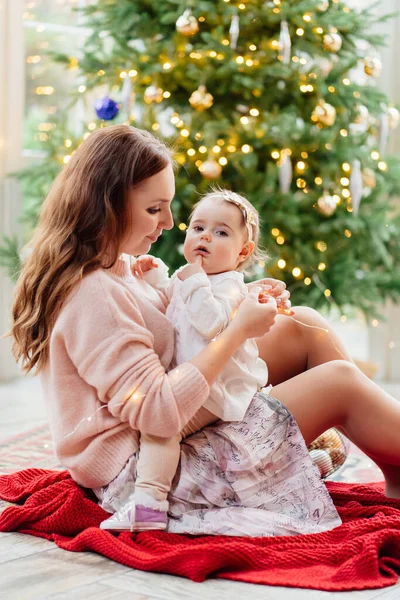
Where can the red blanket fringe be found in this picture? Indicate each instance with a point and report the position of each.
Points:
(362, 553)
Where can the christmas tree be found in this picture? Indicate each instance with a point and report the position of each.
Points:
(275, 100)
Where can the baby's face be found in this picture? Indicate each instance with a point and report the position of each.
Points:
(217, 233)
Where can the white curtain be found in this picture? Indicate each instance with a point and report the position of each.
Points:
(11, 121)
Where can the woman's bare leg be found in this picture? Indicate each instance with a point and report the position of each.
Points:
(290, 348)
(338, 394)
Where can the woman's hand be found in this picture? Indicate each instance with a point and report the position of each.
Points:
(143, 264)
(276, 289)
(254, 318)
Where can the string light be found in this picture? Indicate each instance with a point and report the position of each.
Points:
(275, 232)
(375, 323)
(44, 90)
(382, 165)
(182, 226)
(321, 266)
(281, 263)
(223, 161)
(246, 148)
(347, 233)
(375, 155)
(297, 272)
(346, 167)
(280, 240)
(307, 281)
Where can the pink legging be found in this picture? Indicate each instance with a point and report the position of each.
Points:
(159, 457)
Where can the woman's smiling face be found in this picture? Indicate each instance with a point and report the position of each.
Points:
(149, 212)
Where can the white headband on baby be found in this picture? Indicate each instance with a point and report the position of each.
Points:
(248, 215)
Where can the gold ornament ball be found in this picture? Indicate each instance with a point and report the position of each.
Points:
(187, 24)
(362, 114)
(368, 177)
(200, 100)
(324, 113)
(153, 94)
(323, 5)
(327, 204)
(394, 117)
(372, 66)
(210, 169)
(332, 42)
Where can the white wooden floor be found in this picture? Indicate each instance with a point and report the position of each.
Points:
(34, 569)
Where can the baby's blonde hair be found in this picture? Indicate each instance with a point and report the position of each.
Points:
(251, 219)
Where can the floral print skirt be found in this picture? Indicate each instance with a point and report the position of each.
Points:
(255, 477)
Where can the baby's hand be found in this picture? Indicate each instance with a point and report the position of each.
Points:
(143, 264)
(192, 269)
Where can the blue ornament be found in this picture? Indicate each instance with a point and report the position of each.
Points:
(106, 108)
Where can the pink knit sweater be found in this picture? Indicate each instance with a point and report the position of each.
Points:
(106, 375)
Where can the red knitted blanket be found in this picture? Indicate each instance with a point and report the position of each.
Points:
(362, 553)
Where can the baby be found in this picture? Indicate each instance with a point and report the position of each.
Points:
(221, 242)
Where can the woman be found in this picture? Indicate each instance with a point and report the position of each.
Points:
(102, 345)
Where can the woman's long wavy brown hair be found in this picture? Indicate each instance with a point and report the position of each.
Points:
(81, 225)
